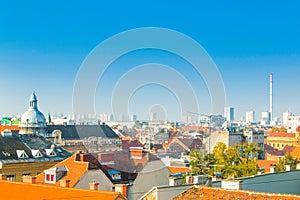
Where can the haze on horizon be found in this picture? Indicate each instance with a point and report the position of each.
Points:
(42, 46)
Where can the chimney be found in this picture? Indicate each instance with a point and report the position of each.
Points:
(64, 183)
(29, 179)
(273, 168)
(94, 185)
(122, 188)
(2, 177)
(231, 184)
(287, 167)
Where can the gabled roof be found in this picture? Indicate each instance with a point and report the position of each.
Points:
(15, 190)
(126, 144)
(71, 132)
(200, 192)
(76, 169)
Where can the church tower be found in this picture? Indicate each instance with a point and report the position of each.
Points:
(33, 121)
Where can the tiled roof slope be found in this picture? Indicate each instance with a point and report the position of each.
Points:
(76, 169)
(24, 191)
(265, 164)
(281, 134)
(177, 170)
(211, 193)
(10, 145)
(71, 132)
(12, 127)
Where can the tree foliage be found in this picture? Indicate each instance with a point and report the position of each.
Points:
(233, 161)
(281, 129)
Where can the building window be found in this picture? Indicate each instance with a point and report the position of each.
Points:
(52, 177)
(28, 174)
(47, 177)
(11, 177)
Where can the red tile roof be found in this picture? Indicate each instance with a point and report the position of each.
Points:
(177, 170)
(211, 193)
(12, 127)
(76, 169)
(281, 134)
(298, 129)
(126, 144)
(25, 191)
(265, 164)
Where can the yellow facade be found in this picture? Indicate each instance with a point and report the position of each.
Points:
(15, 172)
(280, 141)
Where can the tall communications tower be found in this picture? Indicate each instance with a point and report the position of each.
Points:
(271, 97)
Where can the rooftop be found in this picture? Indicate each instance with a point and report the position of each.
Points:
(176, 170)
(76, 169)
(71, 132)
(281, 134)
(15, 190)
(200, 192)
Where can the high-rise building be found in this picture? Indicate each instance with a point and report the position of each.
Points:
(271, 97)
(153, 116)
(265, 118)
(285, 116)
(133, 118)
(186, 119)
(229, 113)
(250, 116)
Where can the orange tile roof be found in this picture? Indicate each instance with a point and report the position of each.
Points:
(25, 191)
(265, 164)
(212, 193)
(12, 127)
(296, 152)
(281, 134)
(177, 170)
(76, 169)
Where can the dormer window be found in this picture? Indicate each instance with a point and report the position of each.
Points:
(36, 153)
(6, 154)
(50, 152)
(22, 154)
(53, 175)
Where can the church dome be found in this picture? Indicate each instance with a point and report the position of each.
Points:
(32, 116)
(32, 121)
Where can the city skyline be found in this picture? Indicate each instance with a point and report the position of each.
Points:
(43, 51)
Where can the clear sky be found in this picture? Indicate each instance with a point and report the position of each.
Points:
(43, 43)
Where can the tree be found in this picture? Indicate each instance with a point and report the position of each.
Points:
(287, 159)
(234, 154)
(219, 153)
(197, 160)
(281, 129)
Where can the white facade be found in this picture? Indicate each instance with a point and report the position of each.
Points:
(250, 116)
(292, 123)
(229, 113)
(265, 118)
(133, 118)
(285, 116)
(186, 119)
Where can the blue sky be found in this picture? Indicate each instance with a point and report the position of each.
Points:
(42, 45)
